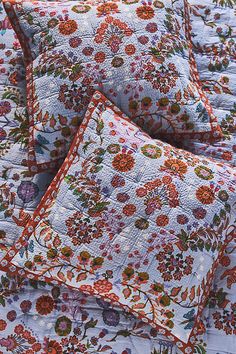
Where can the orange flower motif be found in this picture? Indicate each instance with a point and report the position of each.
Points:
(145, 12)
(53, 347)
(86, 289)
(3, 325)
(67, 27)
(123, 162)
(175, 167)
(130, 49)
(45, 305)
(103, 286)
(141, 192)
(162, 220)
(107, 9)
(205, 195)
(100, 57)
(113, 297)
(227, 155)
(129, 209)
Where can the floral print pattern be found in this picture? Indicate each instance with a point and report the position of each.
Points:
(141, 48)
(129, 335)
(215, 58)
(76, 322)
(90, 267)
(19, 191)
(216, 67)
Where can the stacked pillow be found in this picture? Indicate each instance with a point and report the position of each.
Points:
(215, 57)
(137, 53)
(13, 115)
(19, 192)
(133, 221)
(128, 218)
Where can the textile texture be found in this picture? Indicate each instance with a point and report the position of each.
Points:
(138, 54)
(41, 317)
(108, 227)
(214, 50)
(19, 193)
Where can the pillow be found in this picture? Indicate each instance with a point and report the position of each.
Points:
(138, 53)
(13, 116)
(19, 192)
(13, 131)
(217, 71)
(131, 220)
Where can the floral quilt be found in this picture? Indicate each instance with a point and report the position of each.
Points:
(19, 192)
(138, 55)
(39, 317)
(215, 49)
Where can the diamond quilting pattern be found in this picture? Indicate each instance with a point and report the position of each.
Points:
(121, 221)
(137, 53)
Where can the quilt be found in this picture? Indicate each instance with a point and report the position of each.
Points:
(39, 317)
(214, 49)
(19, 192)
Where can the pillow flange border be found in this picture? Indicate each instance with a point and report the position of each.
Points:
(6, 265)
(214, 134)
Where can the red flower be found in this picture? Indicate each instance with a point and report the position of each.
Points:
(86, 288)
(175, 167)
(53, 347)
(75, 42)
(199, 213)
(18, 329)
(113, 297)
(182, 219)
(123, 162)
(100, 57)
(145, 12)
(141, 192)
(67, 27)
(3, 134)
(205, 195)
(3, 325)
(162, 220)
(117, 181)
(130, 49)
(103, 286)
(225, 261)
(129, 209)
(107, 9)
(5, 108)
(227, 156)
(44, 304)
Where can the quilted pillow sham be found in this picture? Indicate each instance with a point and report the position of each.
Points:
(131, 220)
(137, 53)
(13, 116)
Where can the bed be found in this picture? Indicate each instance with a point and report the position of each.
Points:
(39, 317)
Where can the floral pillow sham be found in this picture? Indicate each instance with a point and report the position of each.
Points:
(132, 220)
(13, 115)
(137, 53)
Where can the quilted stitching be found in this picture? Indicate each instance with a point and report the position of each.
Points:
(139, 48)
(19, 192)
(214, 49)
(84, 324)
(108, 230)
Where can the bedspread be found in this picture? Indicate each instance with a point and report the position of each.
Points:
(36, 317)
(19, 192)
(213, 38)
